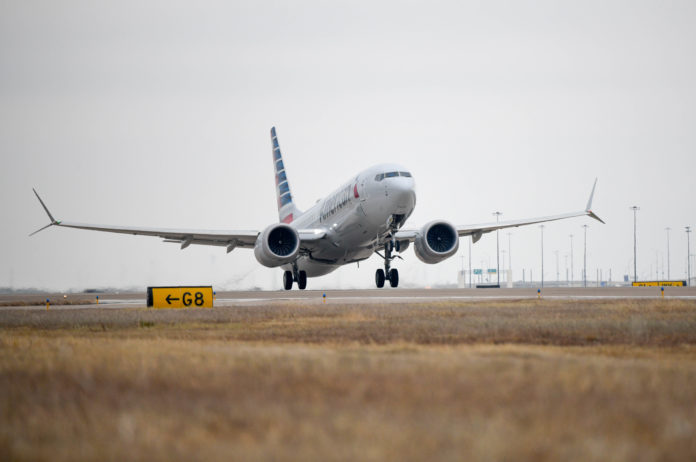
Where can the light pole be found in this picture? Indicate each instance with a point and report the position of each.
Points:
(688, 255)
(635, 266)
(572, 276)
(584, 260)
(542, 255)
(668, 229)
(470, 239)
(504, 252)
(497, 246)
(557, 272)
(509, 257)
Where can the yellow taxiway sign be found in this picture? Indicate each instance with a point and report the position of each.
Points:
(659, 283)
(180, 297)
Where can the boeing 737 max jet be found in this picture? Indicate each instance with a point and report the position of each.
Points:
(364, 216)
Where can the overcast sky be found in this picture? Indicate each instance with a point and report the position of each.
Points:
(158, 114)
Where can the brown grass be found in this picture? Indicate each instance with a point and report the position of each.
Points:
(521, 380)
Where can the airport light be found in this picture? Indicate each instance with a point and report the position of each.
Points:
(668, 229)
(542, 255)
(584, 259)
(497, 246)
(635, 265)
(688, 255)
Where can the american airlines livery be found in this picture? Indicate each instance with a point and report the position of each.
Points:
(365, 215)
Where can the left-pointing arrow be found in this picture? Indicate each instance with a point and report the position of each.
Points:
(169, 299)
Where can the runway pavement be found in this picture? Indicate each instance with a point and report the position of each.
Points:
(358, 296)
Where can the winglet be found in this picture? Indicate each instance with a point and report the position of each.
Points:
(53, 220)
(589, 202)
(588, 208)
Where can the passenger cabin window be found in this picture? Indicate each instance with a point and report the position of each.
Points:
(382, 176)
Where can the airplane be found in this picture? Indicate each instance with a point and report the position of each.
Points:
(362, 217)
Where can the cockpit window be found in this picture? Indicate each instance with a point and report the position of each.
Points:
(382, 176)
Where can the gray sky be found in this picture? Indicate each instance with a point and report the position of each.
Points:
(158, 114)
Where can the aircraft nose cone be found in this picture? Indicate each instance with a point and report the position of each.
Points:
(402, 193)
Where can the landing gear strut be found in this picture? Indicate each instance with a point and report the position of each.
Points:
(388, 273)
(295, 276)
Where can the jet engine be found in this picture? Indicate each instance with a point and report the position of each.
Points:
(436, 241)
(277, 245)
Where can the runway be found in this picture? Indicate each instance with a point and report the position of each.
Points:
(358, 296)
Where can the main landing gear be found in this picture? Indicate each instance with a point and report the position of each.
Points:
(295, 276)
(388, 273)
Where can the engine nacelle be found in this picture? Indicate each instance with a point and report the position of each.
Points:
(277, 245)
(436, 241)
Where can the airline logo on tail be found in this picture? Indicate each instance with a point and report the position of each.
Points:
(283, 194)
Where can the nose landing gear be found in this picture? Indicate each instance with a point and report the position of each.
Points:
(388, 273)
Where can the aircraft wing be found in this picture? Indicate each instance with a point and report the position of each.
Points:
(477, 230)
(185, 237)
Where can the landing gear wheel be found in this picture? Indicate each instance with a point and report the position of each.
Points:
(393, 277)
(302, 280)
(379, 278)
(287, 280)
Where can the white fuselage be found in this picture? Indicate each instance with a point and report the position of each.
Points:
(357, 218)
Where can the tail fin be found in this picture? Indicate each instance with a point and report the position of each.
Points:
(287, 211)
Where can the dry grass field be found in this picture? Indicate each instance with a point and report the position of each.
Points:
(495, 380)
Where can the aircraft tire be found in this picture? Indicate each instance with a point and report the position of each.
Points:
(287, 280)
(394, 277)
(379, 278)
(302, 280)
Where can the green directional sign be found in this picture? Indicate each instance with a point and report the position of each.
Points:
(478, 271)
(492, 271)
